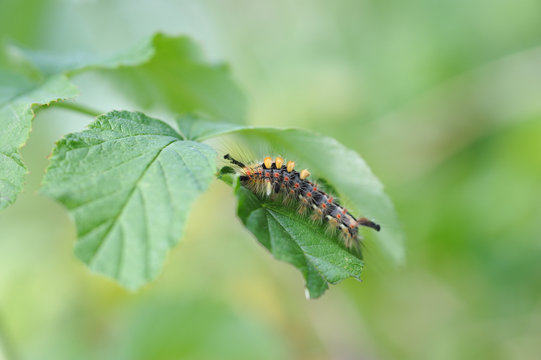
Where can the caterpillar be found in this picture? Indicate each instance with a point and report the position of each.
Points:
(277, 179)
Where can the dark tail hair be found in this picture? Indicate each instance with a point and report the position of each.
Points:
(233, 161)
(365, 222)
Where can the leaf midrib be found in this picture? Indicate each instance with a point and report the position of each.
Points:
(300, 248)
(308, 256)
(121, 211)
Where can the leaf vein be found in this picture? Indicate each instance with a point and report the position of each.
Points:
(169, 195)
(197, 181)
(147, 237)
(115, 219)
(308, 260)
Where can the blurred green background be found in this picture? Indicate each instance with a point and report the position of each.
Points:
(442, 99)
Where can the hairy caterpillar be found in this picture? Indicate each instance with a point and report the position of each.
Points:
(277, 179)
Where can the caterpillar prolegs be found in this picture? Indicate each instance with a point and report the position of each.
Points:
(278, 180)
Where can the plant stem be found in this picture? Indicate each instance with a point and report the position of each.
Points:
(77, 107)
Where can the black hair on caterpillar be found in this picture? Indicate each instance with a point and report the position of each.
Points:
(277, 179)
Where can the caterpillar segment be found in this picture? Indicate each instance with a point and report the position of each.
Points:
(277, 179)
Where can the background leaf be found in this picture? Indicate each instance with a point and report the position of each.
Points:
(179, 79)
(17, 96)
(50, 63)
(167, 72)
(200, 127)
(129, 182)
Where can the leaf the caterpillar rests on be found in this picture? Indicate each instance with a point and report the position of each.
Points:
(297, 220)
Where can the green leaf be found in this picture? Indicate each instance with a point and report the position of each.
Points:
(17, 96)
(293, 239)
(51, 63)
(129, 182)
(178, 78)
(196, 127)
(353, 182)
(163, 71)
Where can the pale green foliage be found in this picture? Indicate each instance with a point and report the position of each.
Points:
(178, 79)
(163, 71)
(16, 99)
(128, 182)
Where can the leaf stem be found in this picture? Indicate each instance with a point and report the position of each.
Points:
(68, 105)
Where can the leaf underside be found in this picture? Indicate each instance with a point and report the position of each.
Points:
(129, 182)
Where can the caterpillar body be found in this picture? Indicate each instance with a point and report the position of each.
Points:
(278, 180)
